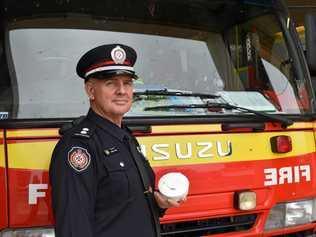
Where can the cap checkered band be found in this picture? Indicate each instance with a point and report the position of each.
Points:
(108, 68)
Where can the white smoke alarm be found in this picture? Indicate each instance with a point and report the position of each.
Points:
(174, 186)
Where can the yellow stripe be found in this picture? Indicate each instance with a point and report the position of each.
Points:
(189, 128)
(24, 133)
(184, 128)
(314, 125)
(2, 155)
(301, 125)
(245, 147)
(30, 155)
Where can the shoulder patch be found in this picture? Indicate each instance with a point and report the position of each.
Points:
(79, 158)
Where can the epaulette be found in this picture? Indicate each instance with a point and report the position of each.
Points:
(83, 131)
(67, 126)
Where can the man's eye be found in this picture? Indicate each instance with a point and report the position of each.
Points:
(128, 82)
(108, 83)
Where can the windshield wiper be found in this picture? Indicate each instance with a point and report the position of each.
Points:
(175, 93)
(284, 121)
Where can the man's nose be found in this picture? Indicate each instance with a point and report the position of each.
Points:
(121, 88)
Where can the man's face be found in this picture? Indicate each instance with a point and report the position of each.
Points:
(111, 98)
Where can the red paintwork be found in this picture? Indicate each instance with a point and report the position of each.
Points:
(257, 231)
(21, 213)
(208, 196)
(206, 179)
(3, 192)
(3, 200)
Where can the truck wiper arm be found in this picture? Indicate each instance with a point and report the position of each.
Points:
(175, 93)
(284, 121)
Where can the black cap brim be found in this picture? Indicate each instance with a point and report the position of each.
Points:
(110, 73)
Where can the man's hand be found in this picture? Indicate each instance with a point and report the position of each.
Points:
(164, 202)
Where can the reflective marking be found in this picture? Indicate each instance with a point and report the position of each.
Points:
(186, 128)
(205, 149)
(22, 155)
(26, 133)
(287, 175)
(35, 193)
(219, 148)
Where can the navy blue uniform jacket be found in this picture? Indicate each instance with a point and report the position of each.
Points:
(96, 187)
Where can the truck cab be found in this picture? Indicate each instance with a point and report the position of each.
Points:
(224, 96)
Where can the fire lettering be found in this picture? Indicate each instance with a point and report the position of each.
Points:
(35, 193)
(287, 175)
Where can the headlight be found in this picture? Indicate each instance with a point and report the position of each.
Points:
(291, 214)
(246, 200)
(34, 232)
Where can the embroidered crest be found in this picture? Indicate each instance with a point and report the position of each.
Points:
(118, 55)
(79, 158)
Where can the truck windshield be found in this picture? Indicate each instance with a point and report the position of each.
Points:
(234, 51)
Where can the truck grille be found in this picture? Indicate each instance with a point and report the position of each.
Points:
(208, 226)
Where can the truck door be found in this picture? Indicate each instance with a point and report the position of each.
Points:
(29, 152)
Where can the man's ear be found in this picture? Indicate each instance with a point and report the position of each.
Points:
(90, 89)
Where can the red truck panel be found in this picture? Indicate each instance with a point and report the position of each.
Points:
(3, 185)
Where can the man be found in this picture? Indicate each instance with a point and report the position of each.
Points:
(101, 183)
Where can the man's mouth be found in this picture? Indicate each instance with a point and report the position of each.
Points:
(120, 101)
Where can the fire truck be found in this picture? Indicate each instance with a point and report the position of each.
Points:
(224, 96)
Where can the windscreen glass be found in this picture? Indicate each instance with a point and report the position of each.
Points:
(227, 51)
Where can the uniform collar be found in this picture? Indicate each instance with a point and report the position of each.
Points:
(107, 125)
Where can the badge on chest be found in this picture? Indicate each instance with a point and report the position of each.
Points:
(110, 151)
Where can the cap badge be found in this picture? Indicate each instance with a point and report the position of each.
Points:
(78, 158)
(118, 55)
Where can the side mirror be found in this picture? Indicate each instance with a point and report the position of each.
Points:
(310, 39)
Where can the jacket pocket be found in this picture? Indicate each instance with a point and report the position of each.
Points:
(118, 183)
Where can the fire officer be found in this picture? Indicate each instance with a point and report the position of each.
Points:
(101, 183)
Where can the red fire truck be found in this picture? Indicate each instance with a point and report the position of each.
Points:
(224, 97)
